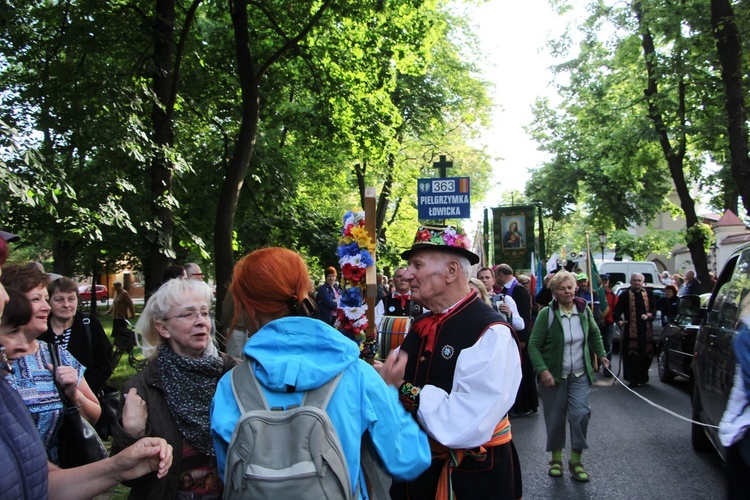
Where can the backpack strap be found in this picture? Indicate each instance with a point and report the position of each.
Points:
(550, 317)
(320, 396)
(246, 389)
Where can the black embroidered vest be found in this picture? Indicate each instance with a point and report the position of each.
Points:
(392, 307)
(462, 328)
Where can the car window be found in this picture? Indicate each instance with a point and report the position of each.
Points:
(617, 278)
(647, 278)
(724, 312)
(722, 286)
(736, 290)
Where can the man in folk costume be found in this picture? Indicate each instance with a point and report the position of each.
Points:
(634, 313)
(458, 371)
(398, 303)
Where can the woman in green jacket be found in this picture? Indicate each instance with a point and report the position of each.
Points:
(560, 348)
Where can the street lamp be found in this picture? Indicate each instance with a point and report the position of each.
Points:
(602, 241)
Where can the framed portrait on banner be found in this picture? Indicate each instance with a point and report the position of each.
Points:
(513, 231)
(513, 237)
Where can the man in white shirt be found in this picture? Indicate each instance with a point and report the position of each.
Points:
(458, 372)
(398, 303)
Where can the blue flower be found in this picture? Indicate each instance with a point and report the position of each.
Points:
(366, 258)
(352, 297)
(350, 249)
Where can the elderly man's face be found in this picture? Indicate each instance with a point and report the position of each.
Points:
(636, 282)
(195, 273)
(426, 276)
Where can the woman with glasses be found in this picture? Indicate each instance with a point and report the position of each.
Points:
(171, 397)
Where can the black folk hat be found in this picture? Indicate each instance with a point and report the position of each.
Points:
(9, 236)
(442, 238)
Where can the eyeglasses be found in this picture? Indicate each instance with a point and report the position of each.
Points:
(196, 274)
(191, 316)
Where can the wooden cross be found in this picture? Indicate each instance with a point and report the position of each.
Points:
(371, 290)
(442, 165)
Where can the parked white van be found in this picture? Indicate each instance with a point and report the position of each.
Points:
(620, 271)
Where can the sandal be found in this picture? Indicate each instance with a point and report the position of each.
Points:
(555, 468)
(578, 472)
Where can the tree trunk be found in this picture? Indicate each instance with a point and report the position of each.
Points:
(696, 240)
(159, 243)
(729, 50)
(167, 62)
(250, 77)
(243, 151)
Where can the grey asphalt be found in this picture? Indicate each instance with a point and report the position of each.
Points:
(635, 451)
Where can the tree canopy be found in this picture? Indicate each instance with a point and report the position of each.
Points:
(642, 114)
(168, 131)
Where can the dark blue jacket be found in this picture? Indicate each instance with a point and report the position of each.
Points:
(327, 305)
(23, 460)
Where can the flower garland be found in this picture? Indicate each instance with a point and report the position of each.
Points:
(449, 236)
(355, 253)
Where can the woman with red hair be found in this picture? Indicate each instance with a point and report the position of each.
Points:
(290, 352)
(328, 297)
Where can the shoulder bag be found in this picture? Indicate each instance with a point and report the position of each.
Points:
(108, 396)
(77, 441)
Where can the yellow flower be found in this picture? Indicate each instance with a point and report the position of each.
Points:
(360, 235)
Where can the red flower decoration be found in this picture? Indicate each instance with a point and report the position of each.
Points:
(353, 273)
(424, 235)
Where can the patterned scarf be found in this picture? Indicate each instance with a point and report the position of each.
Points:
(189, 385)
(633, 325)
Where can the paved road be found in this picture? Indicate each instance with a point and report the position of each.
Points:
(635, 451)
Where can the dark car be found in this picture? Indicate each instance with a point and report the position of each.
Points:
(84, 293)
(656, 327)
(677, 341)
(713, 361)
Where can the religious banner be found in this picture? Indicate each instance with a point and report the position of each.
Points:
(513, 236)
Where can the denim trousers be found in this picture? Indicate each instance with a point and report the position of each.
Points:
(568, 400)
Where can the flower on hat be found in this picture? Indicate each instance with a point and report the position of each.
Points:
(449, 236)
(423, 234)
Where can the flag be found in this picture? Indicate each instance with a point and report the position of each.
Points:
(595, 280)
(540, 279)
(533, 272)
(597, 286)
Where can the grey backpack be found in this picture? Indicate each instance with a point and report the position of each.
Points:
(277, 453)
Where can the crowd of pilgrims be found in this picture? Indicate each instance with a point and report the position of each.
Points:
(184, 397)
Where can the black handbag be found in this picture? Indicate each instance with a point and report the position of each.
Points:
(77, 441)
(109, 399)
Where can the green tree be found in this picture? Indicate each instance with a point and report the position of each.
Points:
(641, 107)
(729, 49)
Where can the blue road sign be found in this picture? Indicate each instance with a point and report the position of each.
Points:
(444, 198)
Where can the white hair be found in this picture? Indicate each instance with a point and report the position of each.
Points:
(169, 295)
